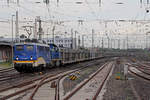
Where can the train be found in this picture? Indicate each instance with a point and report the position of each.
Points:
(31, 57)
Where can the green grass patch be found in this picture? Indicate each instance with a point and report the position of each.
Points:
(5, 64)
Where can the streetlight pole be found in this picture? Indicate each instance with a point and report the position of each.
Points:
(72, 39)
(92, 38)
(108, 41)
(118, 43)
(75, 40)
(127, 42)
(47, 34)
(53, 30)
(12, 37)
(83, 41)
(92, 42)
(79, 41)
(17, 28)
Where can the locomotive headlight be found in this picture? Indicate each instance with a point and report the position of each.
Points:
(17, 58)
(31, 58)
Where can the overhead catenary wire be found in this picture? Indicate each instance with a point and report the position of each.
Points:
(100, 1)
(92, 11)
(59, 12)
(147, 1)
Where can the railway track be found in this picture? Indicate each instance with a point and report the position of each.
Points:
(57, 80)
(138, 71)
(21, 88)
(9, 74)
(10, 77)
(144, 66)
(97, 80)
(141, 67)
(7, 70)
(144, 70)
(141, 79)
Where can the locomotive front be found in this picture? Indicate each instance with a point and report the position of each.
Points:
(24, 57)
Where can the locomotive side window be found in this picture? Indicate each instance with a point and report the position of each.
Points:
(47, 49)
(19, 47)
(52, 49)
(56, 48)
(29, 47)
(41, 48)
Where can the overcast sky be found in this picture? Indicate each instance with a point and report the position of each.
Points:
(70, 11)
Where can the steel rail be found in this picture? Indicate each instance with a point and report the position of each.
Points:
(79, 87)
(23, 90)
(57, 96)
(6, 70)
(28, 88)
(140, 69)
(42, 82)
(13, 76)
(148, 79)
(101, 86)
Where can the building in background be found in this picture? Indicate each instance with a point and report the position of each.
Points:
(63, 42)
(5, 51)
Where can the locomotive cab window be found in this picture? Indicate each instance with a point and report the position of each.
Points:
(56, 48)
(29, 47)
(19, 47)
(52, 49)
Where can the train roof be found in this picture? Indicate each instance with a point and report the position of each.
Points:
(52, 44)
(40, 44)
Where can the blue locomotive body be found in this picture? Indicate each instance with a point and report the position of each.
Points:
(34, 56)
(55, 55)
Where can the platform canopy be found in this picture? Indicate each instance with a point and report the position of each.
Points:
(5, 43)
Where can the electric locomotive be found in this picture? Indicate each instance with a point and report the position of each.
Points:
(30, 57)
